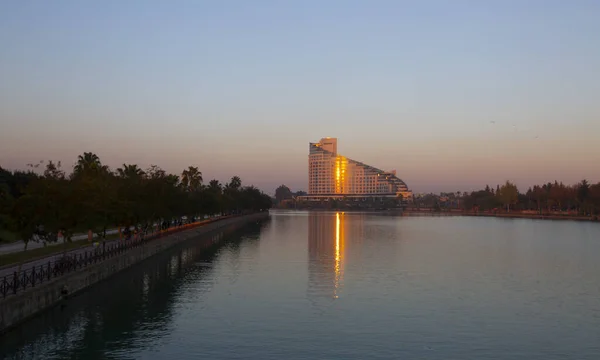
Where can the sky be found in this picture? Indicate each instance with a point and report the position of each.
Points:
(451, 94)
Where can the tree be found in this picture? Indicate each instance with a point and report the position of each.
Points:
(92, 198)
(19, 181)
(235, 183)
(215, 186)
(594, 196)
(130, 172)
(231, 194)
(539, 194)
(155, 172)
(6, 203)
(213, 197)
(508, 194)
(583, 190)
(99, 202)
(283, 193)
(162, 187)
(129, 203)
(54, 171)
(191, 179)
(44, 209)
(88, 162)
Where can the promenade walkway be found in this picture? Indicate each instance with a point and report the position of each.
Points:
(9, 270)
(18, 246)
(51, 266)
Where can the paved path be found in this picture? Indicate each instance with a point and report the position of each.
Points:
(9, 271)
(18, 246)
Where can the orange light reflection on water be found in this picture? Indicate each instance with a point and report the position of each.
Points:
(339, 244)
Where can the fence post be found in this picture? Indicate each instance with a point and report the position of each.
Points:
(49, 270)
(33, 276)
(15, 282)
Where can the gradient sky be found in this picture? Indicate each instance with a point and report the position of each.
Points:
(242, 87)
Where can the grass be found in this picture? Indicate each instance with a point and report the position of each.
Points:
(33, 254)
(7, 237)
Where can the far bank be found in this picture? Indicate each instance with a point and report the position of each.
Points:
(453, 212)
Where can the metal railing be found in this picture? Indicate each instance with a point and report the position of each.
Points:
(43, 273)
(36, 275)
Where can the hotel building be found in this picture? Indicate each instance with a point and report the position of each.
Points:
(331, 175)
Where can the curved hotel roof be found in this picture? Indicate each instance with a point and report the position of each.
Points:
(334, 174)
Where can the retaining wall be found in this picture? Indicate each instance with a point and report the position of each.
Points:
(18, 308)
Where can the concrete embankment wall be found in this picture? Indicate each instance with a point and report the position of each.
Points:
(18, 308)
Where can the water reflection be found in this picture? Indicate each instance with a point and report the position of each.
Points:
(129, 311)
(326, 247)
(375, 287)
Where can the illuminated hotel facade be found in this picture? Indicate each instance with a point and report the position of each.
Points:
(331, 175)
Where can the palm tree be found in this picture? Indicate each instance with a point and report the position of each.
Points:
(88, 162)
(235, 183)
(215, 186)
(191, 179)
(130, 172)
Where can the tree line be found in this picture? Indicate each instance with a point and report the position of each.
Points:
(93, 197)
(582, 198)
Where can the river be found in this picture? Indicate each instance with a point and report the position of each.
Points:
(327, 285)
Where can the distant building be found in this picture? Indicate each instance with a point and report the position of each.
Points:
(331, 175)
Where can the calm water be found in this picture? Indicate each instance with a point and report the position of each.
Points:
(344, 286)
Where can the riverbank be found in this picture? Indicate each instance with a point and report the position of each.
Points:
(31, 301)
(40, 255)
(31, 256)
(362, 211)
(453, 212)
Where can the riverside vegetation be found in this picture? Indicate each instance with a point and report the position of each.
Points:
(581, 199)
(40, 206)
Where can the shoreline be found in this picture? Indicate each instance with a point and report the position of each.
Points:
(411, 212)
(501, 215)
(27, 302)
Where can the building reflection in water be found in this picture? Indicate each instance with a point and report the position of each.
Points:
(326, 243)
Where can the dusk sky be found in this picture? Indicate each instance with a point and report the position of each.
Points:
(451, 94)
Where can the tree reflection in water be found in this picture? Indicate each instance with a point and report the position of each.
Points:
(130, 310)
